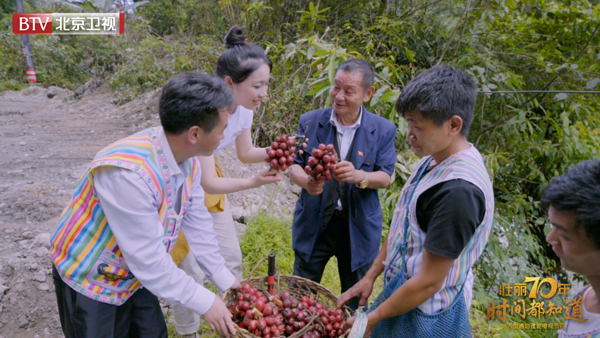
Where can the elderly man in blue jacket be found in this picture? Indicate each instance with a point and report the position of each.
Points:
(342, 217)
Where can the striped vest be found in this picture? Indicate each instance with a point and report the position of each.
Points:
(84, 249)
(466, 165)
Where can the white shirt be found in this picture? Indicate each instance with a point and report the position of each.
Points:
(240, 119)
(582, 329)
(127, 203)
(345, 136)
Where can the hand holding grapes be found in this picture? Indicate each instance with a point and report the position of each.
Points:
(321, 165)
(266, 177)
(219, 318)
(314, 187)
(345, 172)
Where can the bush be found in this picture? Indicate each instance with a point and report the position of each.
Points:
(266, 234)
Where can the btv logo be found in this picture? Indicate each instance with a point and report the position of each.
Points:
(32, 23)
(69, 23)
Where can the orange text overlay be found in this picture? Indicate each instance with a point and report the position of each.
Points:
(537, 309)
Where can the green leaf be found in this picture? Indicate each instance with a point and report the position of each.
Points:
(311, 51)
(319, 80)
(410, 55)
(322, 90)
(390, 96)
(591, 84)
(377, 95)
(547, 229)
(332, 68)
(319, 87)
(403, 168)
(321, 46)
(561, 96)
(565, 121)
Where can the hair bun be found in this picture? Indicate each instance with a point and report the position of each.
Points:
(235, 37)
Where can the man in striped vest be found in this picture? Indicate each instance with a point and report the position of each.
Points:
(442, 221)
(110, 250)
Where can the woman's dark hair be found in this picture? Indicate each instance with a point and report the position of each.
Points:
(240, 59)
(192, 99)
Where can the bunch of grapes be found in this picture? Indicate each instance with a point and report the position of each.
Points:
(276, 316)
(331, 321)
(321, 165)
(282, 152)
(282, 315)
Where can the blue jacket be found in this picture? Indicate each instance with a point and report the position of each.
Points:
(374, 150)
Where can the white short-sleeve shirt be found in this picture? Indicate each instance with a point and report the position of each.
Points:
(240, 119)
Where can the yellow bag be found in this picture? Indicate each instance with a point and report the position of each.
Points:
(214, 203)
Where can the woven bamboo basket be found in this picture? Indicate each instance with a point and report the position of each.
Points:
(297, 287)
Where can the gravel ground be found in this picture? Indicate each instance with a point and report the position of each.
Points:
(46, 143)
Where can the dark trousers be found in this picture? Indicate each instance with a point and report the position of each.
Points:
(333, 241)
(80, 316)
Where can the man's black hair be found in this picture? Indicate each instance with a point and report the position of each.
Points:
(440, 93)
(578, 190)
(192, 99)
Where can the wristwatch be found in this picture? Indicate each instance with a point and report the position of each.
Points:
(364, 183)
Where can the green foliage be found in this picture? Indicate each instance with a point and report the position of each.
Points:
(482, 327)
(531, 138)
(311, 19)
(8, 7)
(266, 234)
(284, 27)
(102, 6)
(184, 17)
(155, 59)
(63, 60)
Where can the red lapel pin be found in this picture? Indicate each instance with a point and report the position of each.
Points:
(360, 153)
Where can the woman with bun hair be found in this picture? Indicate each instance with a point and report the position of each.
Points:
(246, 70)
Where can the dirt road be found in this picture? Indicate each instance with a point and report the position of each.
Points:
(45, 145)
